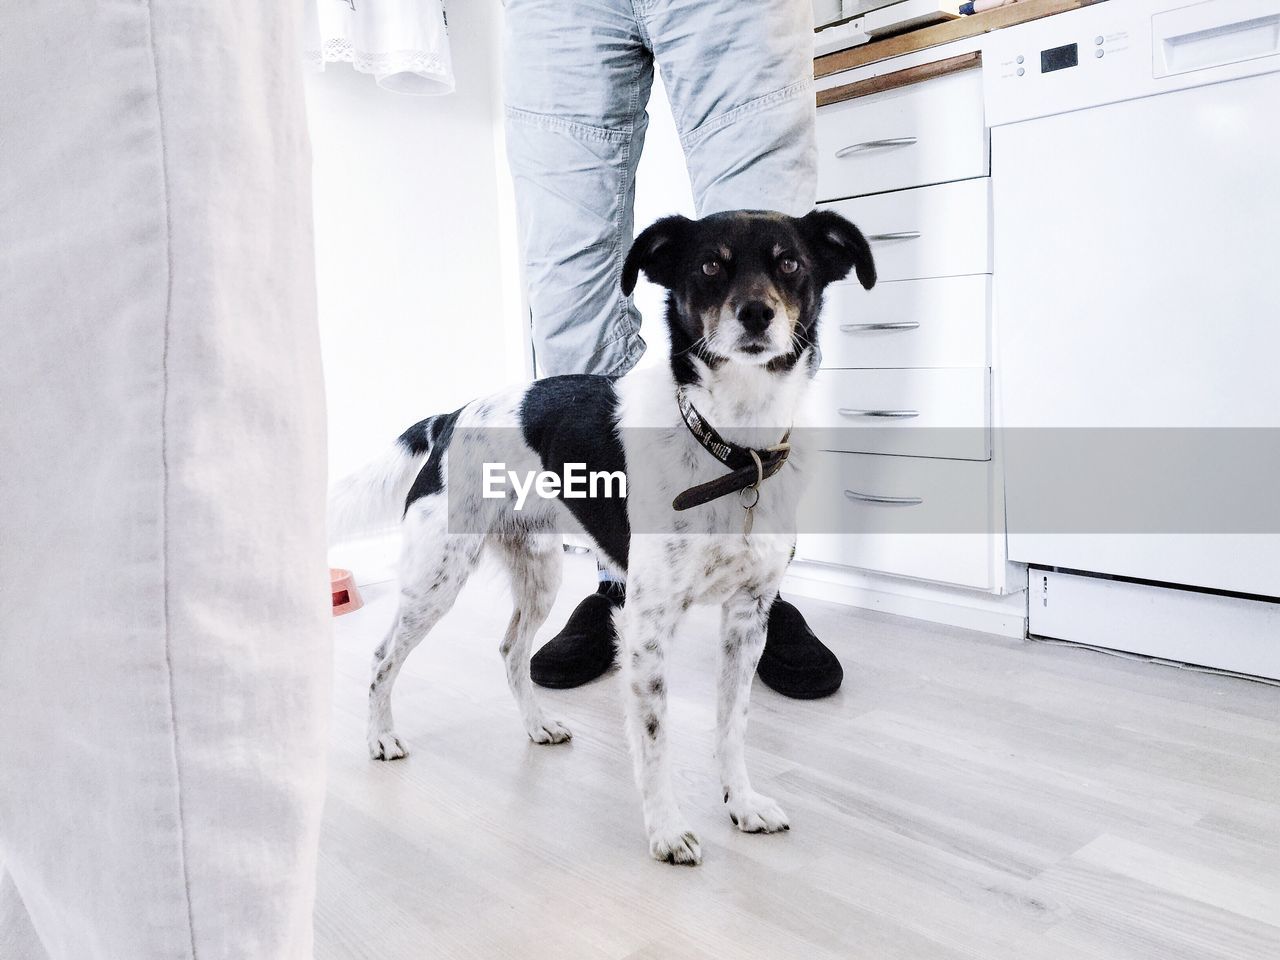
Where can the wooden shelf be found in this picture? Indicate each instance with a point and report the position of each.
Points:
(941, 33)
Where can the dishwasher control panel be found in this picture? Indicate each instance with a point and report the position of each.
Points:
(1110, 52)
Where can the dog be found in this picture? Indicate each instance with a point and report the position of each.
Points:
(745, 291)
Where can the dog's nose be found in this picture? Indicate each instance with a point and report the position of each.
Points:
(755, 316)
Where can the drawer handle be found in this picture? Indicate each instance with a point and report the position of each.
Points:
(885, 414)
(875, 498)
(900, 235)
(874, 145)
(895, 325)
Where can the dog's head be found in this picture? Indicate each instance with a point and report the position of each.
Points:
(746, 286)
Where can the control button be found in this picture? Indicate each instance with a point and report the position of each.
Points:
(1098, 40)
(1021, 71)
(1021, 58)
(1099, 52)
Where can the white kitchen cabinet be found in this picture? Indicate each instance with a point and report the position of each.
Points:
(941, 412)
(937, 231)
(909, 484)
(921, 517)
(937, 322)
(928, 132)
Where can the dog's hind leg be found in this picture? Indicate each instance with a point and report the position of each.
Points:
(744, 620)
(534, 561)
(433, 570)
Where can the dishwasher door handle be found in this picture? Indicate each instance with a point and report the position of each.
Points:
(876, 498)
(883, 414)
(866, 145)
(899, 235)
(892, 325)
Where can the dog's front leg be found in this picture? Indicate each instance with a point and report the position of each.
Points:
(744, 620)
(645, 627)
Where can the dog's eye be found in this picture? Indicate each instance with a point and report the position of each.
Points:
(711, 268)
(788, 265)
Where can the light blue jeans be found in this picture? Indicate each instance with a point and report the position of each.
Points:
(739, 75)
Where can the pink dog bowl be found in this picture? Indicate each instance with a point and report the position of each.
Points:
(346, 596)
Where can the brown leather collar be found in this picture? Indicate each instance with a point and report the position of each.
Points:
(750, 466)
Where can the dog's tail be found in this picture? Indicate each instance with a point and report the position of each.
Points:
(372, 500)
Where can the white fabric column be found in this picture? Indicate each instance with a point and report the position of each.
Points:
(164, 624)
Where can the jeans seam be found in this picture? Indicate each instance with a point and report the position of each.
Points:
(164, 474)
(624, 315)
(735, 114)
(546, 121)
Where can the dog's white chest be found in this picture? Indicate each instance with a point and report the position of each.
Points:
(723, 565)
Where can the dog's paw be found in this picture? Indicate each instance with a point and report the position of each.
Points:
(678, 846)
(756, 813)
(386, 746)
(549, 731)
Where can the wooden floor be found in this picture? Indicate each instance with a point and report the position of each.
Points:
(962, 796)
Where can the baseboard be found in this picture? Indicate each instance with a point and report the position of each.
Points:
(1004, 615)
(1232, 633)
(370, 560)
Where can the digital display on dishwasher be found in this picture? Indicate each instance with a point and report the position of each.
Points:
(1059, 58)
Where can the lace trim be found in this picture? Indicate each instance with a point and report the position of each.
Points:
(339, 50)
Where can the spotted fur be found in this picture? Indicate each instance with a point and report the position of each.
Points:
(743, 326)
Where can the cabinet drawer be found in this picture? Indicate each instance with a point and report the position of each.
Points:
(941, 231)
(941, 322)
(922, 413)
(912, 517)
(928, 132)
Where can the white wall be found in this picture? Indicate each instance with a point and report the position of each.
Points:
(419, 307)
(662, 187)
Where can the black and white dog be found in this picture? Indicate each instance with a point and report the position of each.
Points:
(745, 291)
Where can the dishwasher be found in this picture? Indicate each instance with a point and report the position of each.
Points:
(1135, 160)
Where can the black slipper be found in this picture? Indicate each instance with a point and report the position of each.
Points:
(585, 647)
(796, 663)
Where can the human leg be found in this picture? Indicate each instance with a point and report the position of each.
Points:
(740, 81)
(577, 79)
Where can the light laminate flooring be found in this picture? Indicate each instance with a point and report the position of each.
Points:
(963, 796)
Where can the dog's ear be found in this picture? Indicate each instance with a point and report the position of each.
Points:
(657, 252)
(838, 246)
